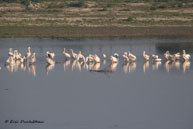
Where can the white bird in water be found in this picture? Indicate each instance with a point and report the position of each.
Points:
(113, 59)
(104, 56)
(28, 53)
(66, 55)
(167, 55)
(74, 55)
(116, 55)
(146, 57)
(177, 55)
(131, 56)
(33, 58)
(125, 57)
(185, 56)
(156, 58)
(50, 55)
(96, 59)
(10, 52)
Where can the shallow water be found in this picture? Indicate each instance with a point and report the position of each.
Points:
(69, 95)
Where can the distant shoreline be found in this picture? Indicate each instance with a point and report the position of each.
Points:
(94, 32)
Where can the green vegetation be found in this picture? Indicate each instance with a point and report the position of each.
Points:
(93, 14)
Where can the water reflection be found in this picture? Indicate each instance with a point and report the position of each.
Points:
(49, 67)
(32, 69)
(127, 67)
(66, 64)
(156, 65)
(113, 67)
(186, 65)
(145, 66)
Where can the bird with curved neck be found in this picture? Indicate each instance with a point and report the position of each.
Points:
(66, 55)
(125, 57)
(28, 53)
(116, 55)
(167, 55)
(10, 52)
(74, 55)
(131, 56)
(185, 56)
(80, 56)
(146, 57)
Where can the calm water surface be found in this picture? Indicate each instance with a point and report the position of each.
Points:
(69, 96)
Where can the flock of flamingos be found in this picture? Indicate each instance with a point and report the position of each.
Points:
(92, 61)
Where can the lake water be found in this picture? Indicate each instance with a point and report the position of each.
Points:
(69, 96)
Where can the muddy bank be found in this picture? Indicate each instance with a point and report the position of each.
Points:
(95, 32)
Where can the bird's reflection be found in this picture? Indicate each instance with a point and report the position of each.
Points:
(16, 66)
(125, 67)
(186, 65)
(86, 66)
(176, 64)
(23, 66)
(66, 64)
(96, 66)
(104, 62)
(73, 64)
(145, 66)
(113, 67)
(10, 67)
(90, 65)
(132, 66)
(32, 69)
(79, 65)
(156, 65)
(49, 67)
(167, 65)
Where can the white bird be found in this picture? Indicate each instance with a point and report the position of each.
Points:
(96, 59)
(113, 59)
(10, 52)
(156, 58)
(125, 57)
(66, 55)
(177, 55)
(185, 56)
(50, 55)
(28, 53)
(131, 57)
(167, 55)
(22, 60)
(146, 57)
(74, 55)
(104, 56)
(50, 61)
(33, 58)
(80, 56)
(116, 55)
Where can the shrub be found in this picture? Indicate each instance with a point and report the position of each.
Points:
(129, 19)
(152, 8)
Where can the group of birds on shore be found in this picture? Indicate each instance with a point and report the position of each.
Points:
(15, 57)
